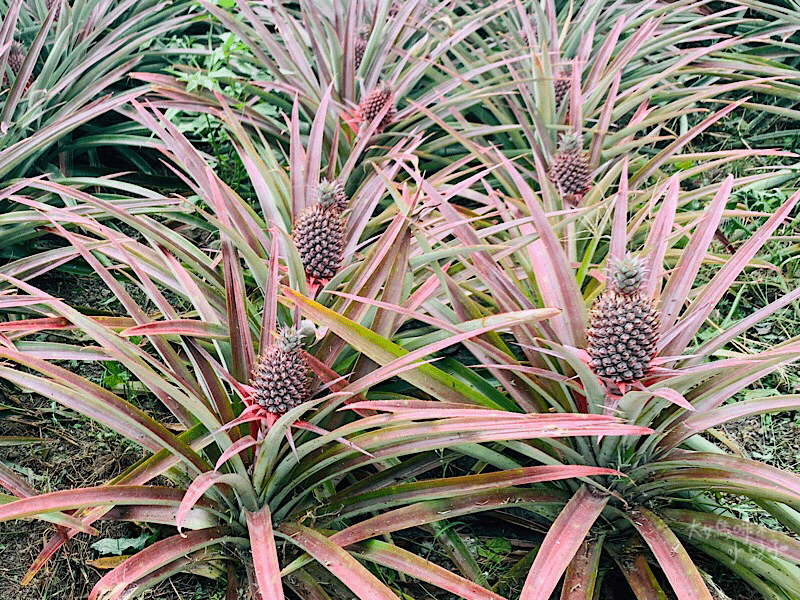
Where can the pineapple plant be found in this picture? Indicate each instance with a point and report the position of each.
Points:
(280, 376)
(569, 170)
(623, 325)
(372, 104)
(319, 233)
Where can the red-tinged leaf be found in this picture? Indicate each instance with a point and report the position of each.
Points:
(704, 420)
(704, 527)
(19, 301)
(265, 554)
(432, 511)
(562, 542)
(734, 474)
(619, 235)
(685, 273)
(118, 583)
(179, 327)
(382, 351)
(348, 505)
(235, 448)
(14, 483)
(551, 265)
(56, 518)
(61, 323)
(581, 576)
(656, 245)
(641, 578)
(107, 495)
(204, 481)
(346, 568)
(269, 316)
(671, 395)
(321, 431)
(675, 562)
(723, 338)
(97, 403)
(711, 293)
(406, 562)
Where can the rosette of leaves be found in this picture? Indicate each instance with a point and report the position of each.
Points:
(627, 85)
(659, 528)
(59, 117)
(311, 48)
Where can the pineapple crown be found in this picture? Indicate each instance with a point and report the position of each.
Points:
(289, 339)
(292, 338)
(563, 72)
(570, 142)
(330, 194)
(627, 275)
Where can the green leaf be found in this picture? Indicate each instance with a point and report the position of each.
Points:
(118, 546)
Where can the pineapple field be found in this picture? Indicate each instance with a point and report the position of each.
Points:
(399, 300)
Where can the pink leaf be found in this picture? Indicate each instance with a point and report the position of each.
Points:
(235, 448)
(561, 543)
(179, 327)
(265, 554)
(682, 573)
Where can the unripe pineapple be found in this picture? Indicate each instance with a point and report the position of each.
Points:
(373, 103)
(319, 237)
(623, 326)
(562, 84)
(16, 56)
(281, 375)
(331, 193)
(50, 3)
(360, 45)
(570, 168)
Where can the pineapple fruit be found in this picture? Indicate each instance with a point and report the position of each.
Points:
(16, 56)
(623, 326)
(50, 4)
(561, 84)
(280, 377)
(373, 103)
(569, 169)
(319, 232)
(360, 45)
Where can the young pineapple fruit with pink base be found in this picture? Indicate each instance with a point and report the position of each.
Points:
(372, 104)
(319, 233)
(623, 325)
(16, 56)
(569, 169)
(280, 378)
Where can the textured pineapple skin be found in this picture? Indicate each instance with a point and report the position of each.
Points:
(359, 48)
(569, 170)
(622, 336)
(371, 105)
(561, 88)
(16, 56)
(319, 237)
(280, 379)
